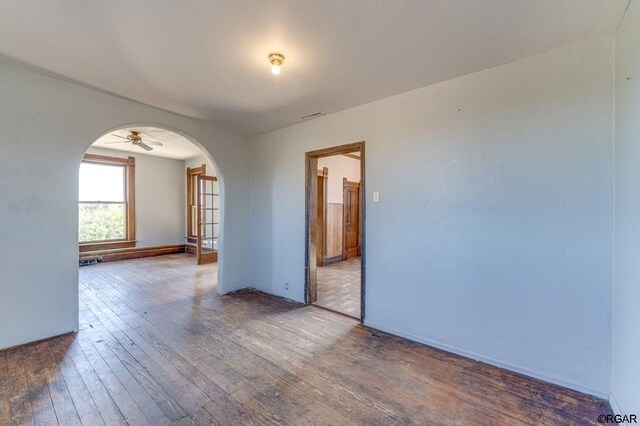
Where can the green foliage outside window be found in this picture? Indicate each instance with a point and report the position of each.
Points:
(101, 222)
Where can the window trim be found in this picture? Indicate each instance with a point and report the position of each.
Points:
(129, 165)
(191, 173)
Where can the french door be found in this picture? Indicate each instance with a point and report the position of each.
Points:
(208, 219)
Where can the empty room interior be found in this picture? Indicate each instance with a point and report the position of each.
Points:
(320, 212)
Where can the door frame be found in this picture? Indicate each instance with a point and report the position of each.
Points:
(311, 209)
(191, 203)
(323, 181)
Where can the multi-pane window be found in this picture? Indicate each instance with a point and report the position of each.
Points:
(105, 199)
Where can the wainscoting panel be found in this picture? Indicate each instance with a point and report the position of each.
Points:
(334, 229)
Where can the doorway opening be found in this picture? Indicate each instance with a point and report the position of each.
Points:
(149, 211)
(335, 218)
(203, 214)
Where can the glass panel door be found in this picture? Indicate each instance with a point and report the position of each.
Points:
(208, 223)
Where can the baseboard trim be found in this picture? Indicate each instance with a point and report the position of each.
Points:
(133, 253)
(496, 363)
(614, 405)
(326, 261)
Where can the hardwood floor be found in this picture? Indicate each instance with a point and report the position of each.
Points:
(339, 287)
(158, 346)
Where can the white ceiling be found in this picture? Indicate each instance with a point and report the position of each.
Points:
(208, 58)
(173, 145)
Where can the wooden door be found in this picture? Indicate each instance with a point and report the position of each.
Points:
(208, 208)
(351, 219)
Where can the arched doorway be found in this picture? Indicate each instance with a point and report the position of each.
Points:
(149, 191)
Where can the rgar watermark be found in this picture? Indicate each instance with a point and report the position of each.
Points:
(618, 418)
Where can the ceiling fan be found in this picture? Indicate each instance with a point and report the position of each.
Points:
(135, 138)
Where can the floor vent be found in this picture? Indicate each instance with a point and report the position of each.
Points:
(89, 261)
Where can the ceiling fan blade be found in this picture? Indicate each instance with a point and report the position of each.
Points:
(118, 136)
(145, 146)
(110, 142)
(154, 143)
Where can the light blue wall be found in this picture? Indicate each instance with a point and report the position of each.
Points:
(46, 125)
(160, 220)
(493, 237)
(625, 387)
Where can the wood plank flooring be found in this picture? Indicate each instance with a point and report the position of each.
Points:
(158, 346)
(339, 287)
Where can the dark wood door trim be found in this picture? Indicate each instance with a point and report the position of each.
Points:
(192, 173)
(323, 180)
(311, 217)
(336, 150)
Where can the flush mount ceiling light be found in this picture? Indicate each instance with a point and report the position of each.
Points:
(276, 60)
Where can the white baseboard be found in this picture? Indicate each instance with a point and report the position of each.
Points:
(491, 361)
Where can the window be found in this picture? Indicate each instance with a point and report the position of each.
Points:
(106, 203)
(192, 200)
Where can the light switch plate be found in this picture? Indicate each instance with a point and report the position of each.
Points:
(376, 196)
